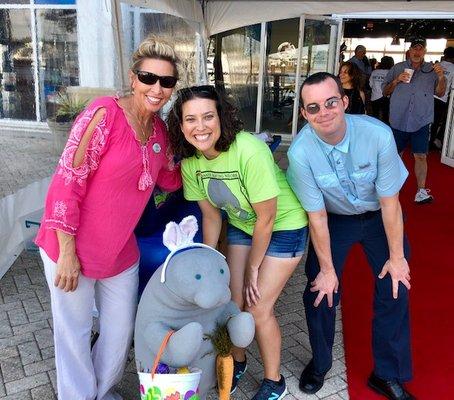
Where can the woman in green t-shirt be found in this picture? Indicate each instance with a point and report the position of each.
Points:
(227, 169)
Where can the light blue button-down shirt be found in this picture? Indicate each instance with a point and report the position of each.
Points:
(412, 106)
(350, 177)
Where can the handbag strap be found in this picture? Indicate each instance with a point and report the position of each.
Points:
(160, 351)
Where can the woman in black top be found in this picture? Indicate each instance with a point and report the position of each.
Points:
(350, 77)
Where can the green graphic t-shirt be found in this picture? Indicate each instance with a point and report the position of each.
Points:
(239, 177)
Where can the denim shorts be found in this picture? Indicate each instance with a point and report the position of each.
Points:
(419, 140)
(283, 244)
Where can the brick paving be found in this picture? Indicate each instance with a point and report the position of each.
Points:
(24, 159)
(27, 369)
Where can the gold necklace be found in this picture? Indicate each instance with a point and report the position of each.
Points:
(143, 137)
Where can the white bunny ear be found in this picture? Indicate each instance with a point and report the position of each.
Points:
(172, 236)
(189, 228)
(177, 237)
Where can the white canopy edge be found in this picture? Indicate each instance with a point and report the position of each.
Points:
(221, 16)
(188, 9)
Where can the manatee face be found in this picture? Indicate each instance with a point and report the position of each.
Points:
(200, 276)
(222, 196)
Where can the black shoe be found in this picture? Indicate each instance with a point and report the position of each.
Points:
(391, 389)
(239, 368)
(310, 382)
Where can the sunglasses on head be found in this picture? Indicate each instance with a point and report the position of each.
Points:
(148, 78)
(208, 89)
(330, 104)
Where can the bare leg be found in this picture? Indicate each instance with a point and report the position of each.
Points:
(273, 275)
(420, 169)
(237, 257)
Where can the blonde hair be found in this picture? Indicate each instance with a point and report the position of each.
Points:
(158, 49)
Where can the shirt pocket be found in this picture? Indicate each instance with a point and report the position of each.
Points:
(329, 185)
(364, 182)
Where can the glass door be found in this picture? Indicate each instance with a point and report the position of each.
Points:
(447, 153)
(280, 75)
(318, 51)
(233, 65)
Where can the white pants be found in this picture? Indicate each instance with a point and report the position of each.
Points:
(83, 374)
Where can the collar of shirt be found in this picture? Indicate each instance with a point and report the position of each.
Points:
(342, 146)
(421, 66)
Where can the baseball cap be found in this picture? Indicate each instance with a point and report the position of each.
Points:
(418, 41)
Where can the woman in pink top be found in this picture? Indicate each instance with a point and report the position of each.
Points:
(116, 153)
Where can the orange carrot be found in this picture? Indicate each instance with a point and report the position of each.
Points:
(224, 360)
(224, 372)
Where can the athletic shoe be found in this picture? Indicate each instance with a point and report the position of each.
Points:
(271, 390)
(239, 368)
(423, 196)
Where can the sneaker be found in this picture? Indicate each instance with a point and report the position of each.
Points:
(271, 390)
(239, 368)
(423, 196)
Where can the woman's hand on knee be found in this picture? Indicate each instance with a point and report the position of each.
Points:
(68, 270)
(251, 291)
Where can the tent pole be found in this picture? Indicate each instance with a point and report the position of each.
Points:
(118, 42)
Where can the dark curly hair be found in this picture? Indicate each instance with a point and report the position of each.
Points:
(227, 112)
(354, 72)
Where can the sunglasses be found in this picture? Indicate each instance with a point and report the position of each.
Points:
(208, 89)
(330, 104)
(148, 78)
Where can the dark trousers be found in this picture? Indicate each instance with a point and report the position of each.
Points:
(390, 326)
(380, 109)
(437, 130)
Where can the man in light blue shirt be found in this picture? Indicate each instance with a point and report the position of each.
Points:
(347, 173)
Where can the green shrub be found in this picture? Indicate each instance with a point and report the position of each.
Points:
(68, 108)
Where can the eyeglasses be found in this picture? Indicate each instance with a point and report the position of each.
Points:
(148, 78)
(330, 104)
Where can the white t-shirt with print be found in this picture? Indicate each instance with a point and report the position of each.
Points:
(449, 74)
(376, 81)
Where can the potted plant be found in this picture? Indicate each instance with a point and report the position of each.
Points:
(67, 109)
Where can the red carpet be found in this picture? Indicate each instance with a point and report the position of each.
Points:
(430, 229)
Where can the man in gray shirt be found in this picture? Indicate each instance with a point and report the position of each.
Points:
(411, 85)
(361, 61)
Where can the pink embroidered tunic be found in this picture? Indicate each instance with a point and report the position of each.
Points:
(101, 201)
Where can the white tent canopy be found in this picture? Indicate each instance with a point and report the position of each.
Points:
(221, 16)
(188, 9)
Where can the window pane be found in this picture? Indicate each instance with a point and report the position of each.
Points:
(55, 1)
(14, 1)
(181, 34)
(280, 73)
(57, 55)
(16, 65)
(315, 52)
(233, 64)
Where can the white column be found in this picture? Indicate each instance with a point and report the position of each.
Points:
(98, 61)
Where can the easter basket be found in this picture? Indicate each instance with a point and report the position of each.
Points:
(154, 386)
